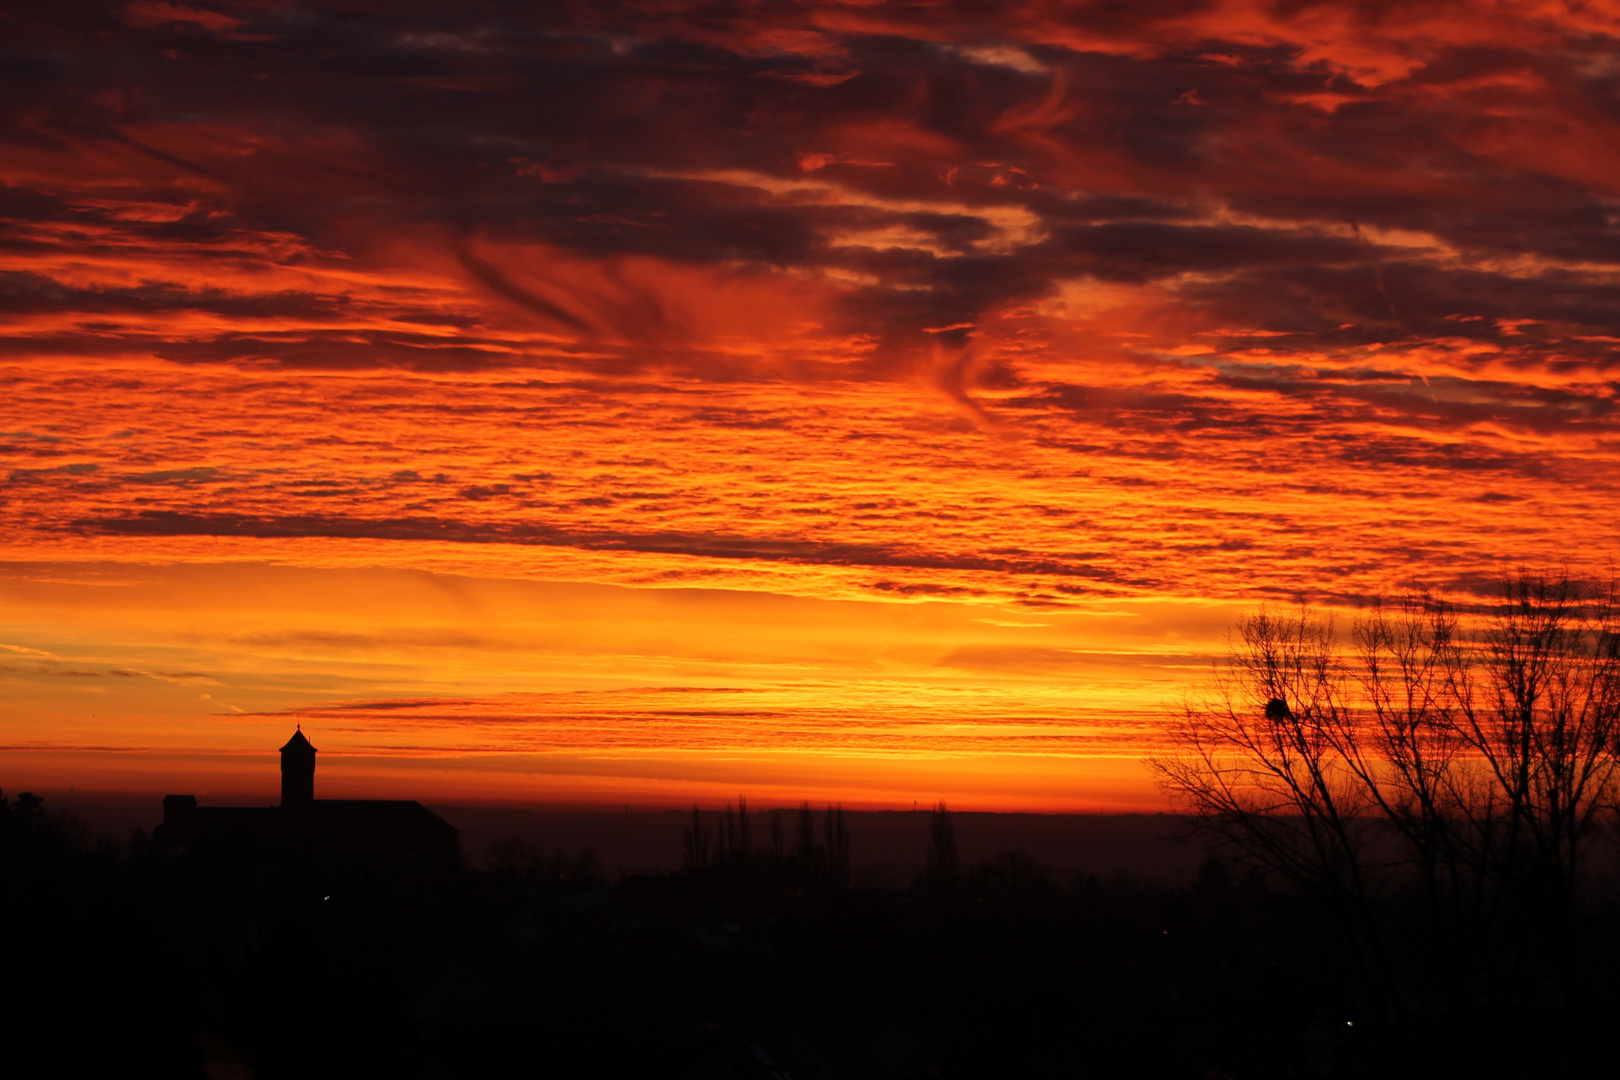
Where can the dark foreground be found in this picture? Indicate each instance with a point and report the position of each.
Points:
(753, 963)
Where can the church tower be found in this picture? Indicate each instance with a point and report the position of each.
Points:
(297, 771)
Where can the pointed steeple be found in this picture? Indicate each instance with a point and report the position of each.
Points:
(298, 742)
(297, 770)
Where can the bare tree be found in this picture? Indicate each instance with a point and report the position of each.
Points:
(1466, 764)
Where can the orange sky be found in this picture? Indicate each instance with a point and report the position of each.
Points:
(653, 402)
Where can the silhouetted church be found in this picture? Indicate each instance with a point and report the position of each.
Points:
(340, 835)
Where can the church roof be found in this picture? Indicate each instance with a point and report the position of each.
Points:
(298, 742)
(373, 815)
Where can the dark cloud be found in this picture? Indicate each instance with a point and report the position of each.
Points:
(633, 130)
(344, 349)
(1218, 245)
(23, 293)
(707, 545)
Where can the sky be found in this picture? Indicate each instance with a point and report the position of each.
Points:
(655, 402)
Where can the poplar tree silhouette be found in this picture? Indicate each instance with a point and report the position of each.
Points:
(943, 867)
(724, 850)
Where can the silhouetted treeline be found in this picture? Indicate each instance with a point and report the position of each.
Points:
(758, 960)
(512, 859)
(88, 984)
(797, 855)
